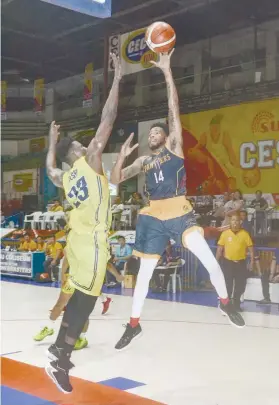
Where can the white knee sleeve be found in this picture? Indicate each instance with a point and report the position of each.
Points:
(146, 270)
(196, 243)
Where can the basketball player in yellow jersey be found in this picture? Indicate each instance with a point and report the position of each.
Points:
(87, 190)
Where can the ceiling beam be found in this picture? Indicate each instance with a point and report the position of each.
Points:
(36, 64)
(122, 13)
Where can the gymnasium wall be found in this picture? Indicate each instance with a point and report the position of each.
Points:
(229, 148)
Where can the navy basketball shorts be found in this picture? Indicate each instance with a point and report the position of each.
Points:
(153, 234)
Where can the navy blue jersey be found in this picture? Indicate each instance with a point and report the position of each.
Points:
(165, 175)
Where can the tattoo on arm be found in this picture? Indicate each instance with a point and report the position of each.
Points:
(133, 169)
(174, 115)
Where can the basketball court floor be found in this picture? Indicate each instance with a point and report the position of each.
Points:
(188, 355)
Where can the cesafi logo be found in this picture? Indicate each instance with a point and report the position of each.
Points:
(135, 49)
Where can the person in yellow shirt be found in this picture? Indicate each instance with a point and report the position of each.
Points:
(86, 189)
(28, 245)
(57, 207)
(54, 253)
(40, 244)
(232, 249)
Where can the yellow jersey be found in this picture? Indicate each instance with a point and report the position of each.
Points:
(235, 244)
(88, 193)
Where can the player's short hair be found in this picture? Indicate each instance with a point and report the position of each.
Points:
(161, 125)
(63, 147)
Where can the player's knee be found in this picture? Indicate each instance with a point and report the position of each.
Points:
(194, 233)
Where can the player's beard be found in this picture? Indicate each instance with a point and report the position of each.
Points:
(156, 146)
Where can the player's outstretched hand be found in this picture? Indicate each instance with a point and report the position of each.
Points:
(164, 62)
(126, 148)
(117, 66)
(54, 132)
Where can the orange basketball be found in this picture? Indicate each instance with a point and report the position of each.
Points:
(160, 37)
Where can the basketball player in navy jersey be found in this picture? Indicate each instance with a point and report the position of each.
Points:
(169, 214)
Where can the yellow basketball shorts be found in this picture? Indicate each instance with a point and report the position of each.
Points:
(67, 287)
(88, 255)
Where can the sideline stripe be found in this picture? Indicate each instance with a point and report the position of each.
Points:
(9, 396)
(33, 380)
(9, 354)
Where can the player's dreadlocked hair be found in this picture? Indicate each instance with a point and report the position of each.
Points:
(62, 149)
(164, 127)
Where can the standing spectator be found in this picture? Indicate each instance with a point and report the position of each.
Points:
(219, 212)
(28, 245)
(54, 252)
(233, 206)
(245, 224)
(232, 246)
(271, 276)
(123, 253)
(260, 204)
(57, 207)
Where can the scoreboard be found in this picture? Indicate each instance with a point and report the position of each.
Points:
(95, 8)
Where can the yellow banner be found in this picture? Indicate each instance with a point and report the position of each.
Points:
(88, 85)
(23, 182)
(233, 147)
(39, 88)
(37, 144)
(3, 99)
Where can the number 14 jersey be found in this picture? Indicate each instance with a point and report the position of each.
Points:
(88, 193)
(165, 175)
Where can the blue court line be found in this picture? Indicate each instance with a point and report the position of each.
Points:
(121, 383)
(8, 354)
(10, 396)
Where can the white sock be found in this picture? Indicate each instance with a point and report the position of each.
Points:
(196, 243)
(82, 335)
(147, 267)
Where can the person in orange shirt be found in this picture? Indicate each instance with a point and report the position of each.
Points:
(56, 206)
(54, 253)
(40, 244)
(28, 245)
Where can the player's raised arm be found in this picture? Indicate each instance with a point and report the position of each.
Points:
(98, 143)
(175, 140)
(53, 172)
(119, 174)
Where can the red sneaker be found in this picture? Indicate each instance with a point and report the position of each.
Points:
(106, 305)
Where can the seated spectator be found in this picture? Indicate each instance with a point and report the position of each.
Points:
(54, 253)
(116, 211)
(28, 245)
(245, 224)
(233, 206)
(260, 205)
(271, 276)
(122, 254)
(117, 205)
(136, 199)
(57, 207)
(168, 259)
(40, 244)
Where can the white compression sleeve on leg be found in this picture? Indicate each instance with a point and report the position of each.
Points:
(146, 270)
(196, 243)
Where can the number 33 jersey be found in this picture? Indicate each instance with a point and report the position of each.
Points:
(88, 193)
(165, 175)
